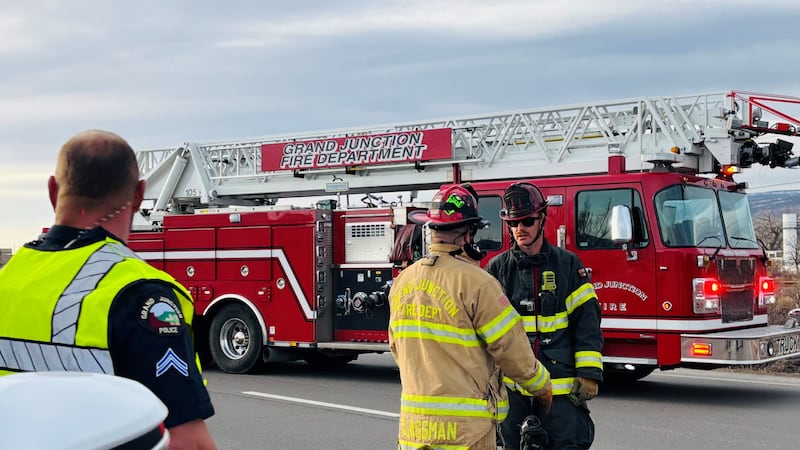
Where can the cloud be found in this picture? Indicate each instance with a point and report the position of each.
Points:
(471, 19)
(163, 73)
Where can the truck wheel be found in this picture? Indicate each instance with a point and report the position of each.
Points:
(235, 339)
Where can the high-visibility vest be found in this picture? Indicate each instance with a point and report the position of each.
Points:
(54, 305)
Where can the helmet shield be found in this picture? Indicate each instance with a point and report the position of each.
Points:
(454, 207)
(522, 200)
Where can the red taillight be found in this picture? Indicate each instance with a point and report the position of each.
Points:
(706, 293)
(711, 288)
(767, 285)
(766, 291)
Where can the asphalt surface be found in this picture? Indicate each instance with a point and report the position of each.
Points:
(295, 406)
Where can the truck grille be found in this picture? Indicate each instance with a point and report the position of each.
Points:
(738, 294)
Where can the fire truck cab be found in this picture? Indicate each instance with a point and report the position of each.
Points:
(641, 189)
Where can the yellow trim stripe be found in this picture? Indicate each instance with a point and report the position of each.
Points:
(547, 324)
(409, 445)
(580, 296)
(499, 326)
(450, 406)
(589, 358)
(447, 334)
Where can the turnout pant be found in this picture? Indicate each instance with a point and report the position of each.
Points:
(569, 426)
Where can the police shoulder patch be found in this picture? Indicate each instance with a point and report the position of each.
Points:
(162, 316)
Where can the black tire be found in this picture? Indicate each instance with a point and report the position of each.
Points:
(235, 339)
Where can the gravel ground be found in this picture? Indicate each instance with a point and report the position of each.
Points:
(787, 367)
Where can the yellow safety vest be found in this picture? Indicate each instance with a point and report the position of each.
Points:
(54, 305)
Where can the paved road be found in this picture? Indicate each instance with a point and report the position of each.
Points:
(293, 406)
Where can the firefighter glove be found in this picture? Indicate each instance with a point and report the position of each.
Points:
(544, 398)
(585, 388)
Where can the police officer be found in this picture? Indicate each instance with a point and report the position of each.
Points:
(449, 330)
(78, 299)
(550, 288)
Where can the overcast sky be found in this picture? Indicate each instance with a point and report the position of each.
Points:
(164, 72)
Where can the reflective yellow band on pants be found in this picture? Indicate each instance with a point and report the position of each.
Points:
(451, 406)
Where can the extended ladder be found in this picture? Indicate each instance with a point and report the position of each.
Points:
(693, 133)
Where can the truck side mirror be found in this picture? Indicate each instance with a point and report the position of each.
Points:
(621, 224)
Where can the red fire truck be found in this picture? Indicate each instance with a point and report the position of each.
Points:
(641, 189)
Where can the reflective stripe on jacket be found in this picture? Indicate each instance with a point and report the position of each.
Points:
(450, 329)
(55, 305)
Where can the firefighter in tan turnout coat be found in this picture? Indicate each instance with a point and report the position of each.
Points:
(452, 331)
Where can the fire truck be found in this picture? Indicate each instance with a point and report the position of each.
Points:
(641, 189)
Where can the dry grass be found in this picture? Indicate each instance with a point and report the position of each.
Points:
(787, 298)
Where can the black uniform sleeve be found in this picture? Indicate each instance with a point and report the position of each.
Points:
(494, 267)
(585, 322)
(151, 343)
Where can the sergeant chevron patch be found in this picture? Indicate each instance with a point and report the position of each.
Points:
(170, 359)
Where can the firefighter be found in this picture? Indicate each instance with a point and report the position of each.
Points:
(451, 330)
(550, 288)
(78, 299)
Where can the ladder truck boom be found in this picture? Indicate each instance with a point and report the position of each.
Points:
(696, 134)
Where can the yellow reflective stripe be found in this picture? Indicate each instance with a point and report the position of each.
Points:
(534, 384)
(502, 410)
(409, 445)
(445, 406)
(530, 323)
(547, 324)
(448, 334)
(580, 296)
(538, 381)
(588, 359)
(499, 326)
(562, 386)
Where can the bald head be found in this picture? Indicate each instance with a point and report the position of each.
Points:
(96, 183)
(96, 166)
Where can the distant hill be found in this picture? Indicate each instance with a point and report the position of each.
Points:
(775, 203)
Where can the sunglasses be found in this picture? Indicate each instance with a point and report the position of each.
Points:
(528, 222)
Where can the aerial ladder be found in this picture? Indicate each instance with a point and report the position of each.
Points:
(698, 134)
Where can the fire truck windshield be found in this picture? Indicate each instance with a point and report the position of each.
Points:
(692, 216)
